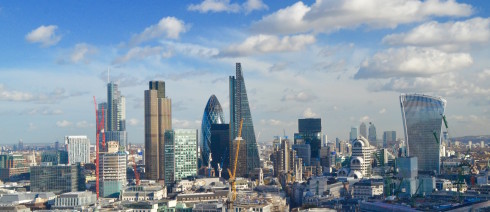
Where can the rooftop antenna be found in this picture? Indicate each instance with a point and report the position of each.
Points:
(108, 74)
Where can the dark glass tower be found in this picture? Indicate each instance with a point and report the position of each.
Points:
(220, 143)
(422, 117)
(213, 114)
(310, 130)
(240, 109)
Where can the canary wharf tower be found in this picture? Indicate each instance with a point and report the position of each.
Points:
(240, 109)
(422, 122)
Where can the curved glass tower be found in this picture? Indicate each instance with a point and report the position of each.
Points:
(213, 114)
(422, 122)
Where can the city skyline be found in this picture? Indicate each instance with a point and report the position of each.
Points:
(316, 67)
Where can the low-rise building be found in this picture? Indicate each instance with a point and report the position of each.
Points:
(365, 189)
(140, 193)
(79, 201)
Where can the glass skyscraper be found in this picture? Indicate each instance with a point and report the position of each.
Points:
(240, 109)
(213, 114)
(422, 122)
(310, 130)
(182, 145)
(115, 116)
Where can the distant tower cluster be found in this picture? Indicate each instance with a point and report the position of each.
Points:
(422, 117)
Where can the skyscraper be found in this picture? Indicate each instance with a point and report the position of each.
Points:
(372, 137)
(112, 170)
(115, 116)
(78, 148)
(240, 109)
(213, 114)
(389, 138)
(363, 130)
(182, 144)
(220, 147)
(422, 122)
(310, 130)
(158, 118)
(353, 134)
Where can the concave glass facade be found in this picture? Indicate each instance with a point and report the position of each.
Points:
(422, 122)
(213, 114)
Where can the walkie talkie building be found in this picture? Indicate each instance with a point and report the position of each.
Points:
(422, 122)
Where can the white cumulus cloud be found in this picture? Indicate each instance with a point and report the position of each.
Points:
(448, 36)
(168, 27)
(140, 53)
(45, 35)
(226, 6)
(328, 15)
(259, 44)
(412, 62)
(63, 123)
(308, 113)
(81, 51)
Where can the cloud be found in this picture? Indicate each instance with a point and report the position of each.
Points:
(272, 122)
(140, 53)
(225, 6)
(382, 111)
(484, 75)
(215, 6)
(133, 122)
(21, 96)
(411, 62)
(63, 124)
(449, 36)
(178, 123)
(251, 5)
(168, 27)
(84, 124)
(42, 111)
(81, 51)
(188, 49)
(326, 16)
(45, 35)
(301, 96)
(364, 119)
(308, 113)
(277, 67)
(259, 44)
(32, 126)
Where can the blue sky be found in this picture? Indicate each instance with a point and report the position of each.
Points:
(343, 61)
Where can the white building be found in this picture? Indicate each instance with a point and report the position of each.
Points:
(360, 163)
(78, 148)
(75, 200)
(112, 170)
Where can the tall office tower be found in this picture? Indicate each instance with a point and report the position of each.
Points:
(240, 109)
(158, 118)
(213, 114)
(389, 138)
(372, 137)
(57, 178)
(360, 161)
(422, 122)
(241, 160)
(363, 130)
(281, 156)
(112, 170)
(182, 144)
(116, 116)
(353, 134)
(310, 130)
(220, 147)
(78, 148)
(303, 151)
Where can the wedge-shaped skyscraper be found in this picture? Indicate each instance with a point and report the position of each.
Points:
(240, 109)
(213, 114)
(422, 122)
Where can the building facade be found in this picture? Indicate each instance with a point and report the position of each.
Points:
(310, 130)
(12, 165)
(182, 143)
(240, 109)
(220, 147)
(78, 148)
(213, 114)
(360, 162)
(116, 116)
(158, 118)
(55, 157)
(389, 138)
(422, 117)
(112, 170)
(372, 137)
(363, 130)
(57, 178)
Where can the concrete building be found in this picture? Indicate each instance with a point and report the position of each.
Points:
(57, 178)
(144, 193)
(75, 201)
(365, 189)
(112, 170)
(360, 162)
(158, 119)
(78, 148)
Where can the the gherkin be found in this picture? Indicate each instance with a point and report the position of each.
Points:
(213, 114)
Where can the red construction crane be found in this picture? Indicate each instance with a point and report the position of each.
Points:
(136, 174)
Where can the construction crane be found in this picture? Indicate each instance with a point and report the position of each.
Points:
(136, 174)
(99, 130)
(232, 180)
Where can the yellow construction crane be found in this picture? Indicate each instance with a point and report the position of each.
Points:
(232, 179)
